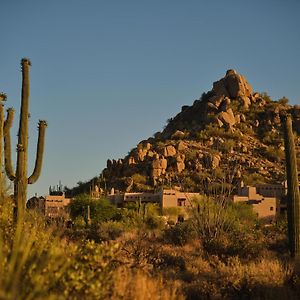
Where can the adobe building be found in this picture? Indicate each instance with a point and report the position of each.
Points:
(262, 199)
(164, 197)
(175, 198)
(56, 206)
(53, 206)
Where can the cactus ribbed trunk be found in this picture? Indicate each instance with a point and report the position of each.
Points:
(20, 178)
(293, 202)
(2, 122)
(1, 148)
(20, 187)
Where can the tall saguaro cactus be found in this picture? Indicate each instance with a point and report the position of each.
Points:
(20, 177)
(2, 98)
(293, 203)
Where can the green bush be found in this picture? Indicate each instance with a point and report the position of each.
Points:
(32, 260)
(180, 234)
(90, 273)
(106, 231)
(253, 179)
(100, 209)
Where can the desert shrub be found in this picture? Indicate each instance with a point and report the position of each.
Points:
(137, 285)
(189, 184)
(266, 97)
(242, 216)
(79, 222)
(246, 129)
(227, 146)
(100, 210)
(191, 154)
(216, 131)
(32, 261)
(180, 234)
(145, 216)
(239, 279)
(281, 224)
(6, 216)
(171, 211)
(253, 179)
(212, 217)
(138, 178)
(90, 273)
(106, 231)
(274, 154)
(152, 218)
(271, 137)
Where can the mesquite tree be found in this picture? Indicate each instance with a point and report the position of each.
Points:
(293, 203)
(20, 177)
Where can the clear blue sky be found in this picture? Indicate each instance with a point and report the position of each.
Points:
(107, 74)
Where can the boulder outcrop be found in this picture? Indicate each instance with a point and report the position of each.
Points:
(180, 162)
(169, 151)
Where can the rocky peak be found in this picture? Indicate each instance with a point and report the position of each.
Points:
(215, 105)
(228, 129)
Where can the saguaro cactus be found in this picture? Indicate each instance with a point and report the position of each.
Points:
(2, 98)
(20, 177)
(293, 202)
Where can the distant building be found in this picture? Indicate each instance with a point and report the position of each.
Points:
(265, 199)
(56, 206)
(164, 197)
(52, 206)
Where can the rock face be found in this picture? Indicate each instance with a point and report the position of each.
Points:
(232, 85)
(180, 163)
(159, 166)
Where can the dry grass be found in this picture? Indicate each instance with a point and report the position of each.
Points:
(138, 285)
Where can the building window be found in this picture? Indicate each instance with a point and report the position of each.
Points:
(180, 202)
(271, 208)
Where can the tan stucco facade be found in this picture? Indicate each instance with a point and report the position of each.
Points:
(266, 208)
(165, 198)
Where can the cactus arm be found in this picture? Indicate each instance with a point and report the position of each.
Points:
(39, 153)
(7, 144)
(293, 203)
(9, 120)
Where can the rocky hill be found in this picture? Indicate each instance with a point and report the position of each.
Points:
(231, 133)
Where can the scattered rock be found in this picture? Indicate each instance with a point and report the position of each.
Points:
(238, 119)
(178, 135)
(181, 146)
(142, 154)
(227, 117)
(246, 101)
